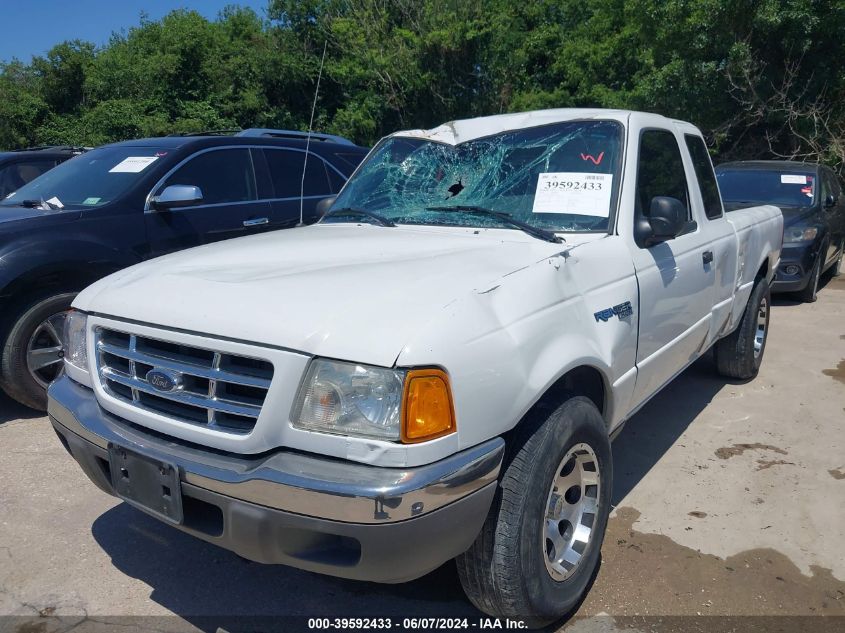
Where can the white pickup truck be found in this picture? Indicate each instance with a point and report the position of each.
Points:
(436, 369)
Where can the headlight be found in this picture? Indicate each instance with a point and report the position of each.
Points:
(386, 404)
(76, 348)
(800, 234)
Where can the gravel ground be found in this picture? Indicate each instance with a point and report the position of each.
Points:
(729, 503)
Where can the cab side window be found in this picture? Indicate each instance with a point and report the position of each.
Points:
(286, 173)
(223, 176)
(705, 175)
(660, 171)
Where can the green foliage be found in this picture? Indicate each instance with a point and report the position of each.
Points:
(762, 78)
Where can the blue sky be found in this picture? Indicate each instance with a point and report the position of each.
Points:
(32, 27)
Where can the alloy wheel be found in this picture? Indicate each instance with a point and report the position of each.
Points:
(762, 327)
(570, 511)
(45, 350)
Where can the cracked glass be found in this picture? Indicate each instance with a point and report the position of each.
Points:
(406, 176)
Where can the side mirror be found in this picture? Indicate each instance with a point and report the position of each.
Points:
(830, 200)
(666, 220)
(324, 205)
(176, 196)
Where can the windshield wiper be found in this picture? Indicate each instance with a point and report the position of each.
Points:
(533, 231)
(39, 204)
(380, 219)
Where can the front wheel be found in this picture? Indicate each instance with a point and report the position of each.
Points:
(540, 545)
(810, 292)
(32, 353)
(740, 353)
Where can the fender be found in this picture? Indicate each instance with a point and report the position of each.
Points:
(77, 262)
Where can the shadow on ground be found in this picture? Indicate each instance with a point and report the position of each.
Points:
(212, 587)
(11, 410)
(658, 425)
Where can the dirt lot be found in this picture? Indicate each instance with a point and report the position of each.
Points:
(730, 501)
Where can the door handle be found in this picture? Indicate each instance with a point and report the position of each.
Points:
(707, 257)
(256, 221)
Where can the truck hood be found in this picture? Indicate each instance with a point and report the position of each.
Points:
(347, 291)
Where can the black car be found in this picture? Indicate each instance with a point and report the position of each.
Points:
(21, 166)
(120, 204)
(810, 197)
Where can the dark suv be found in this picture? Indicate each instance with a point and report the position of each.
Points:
(810, 197)
(120, 204)
(21, 166)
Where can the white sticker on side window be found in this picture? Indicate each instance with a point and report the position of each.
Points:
(574, 193)
(133, 164)
(791, 179)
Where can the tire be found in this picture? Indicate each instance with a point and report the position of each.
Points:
(836, 269)
(740, 353)
(810, 292)
(34, 328)
(507, 573)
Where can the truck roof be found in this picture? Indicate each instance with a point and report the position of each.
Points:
(464, 130)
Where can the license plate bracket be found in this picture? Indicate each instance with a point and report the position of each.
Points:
(150, 484)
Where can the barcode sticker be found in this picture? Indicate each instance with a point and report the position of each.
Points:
(573, 193)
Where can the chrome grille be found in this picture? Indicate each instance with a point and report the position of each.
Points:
(214, 389)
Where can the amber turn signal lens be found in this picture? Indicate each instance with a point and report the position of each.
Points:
(427, 410)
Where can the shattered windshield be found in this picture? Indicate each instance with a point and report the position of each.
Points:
(562, 177)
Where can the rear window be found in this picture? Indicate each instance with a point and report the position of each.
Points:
(16, 175)
(704, 173)
(767, 186)
(91, 179)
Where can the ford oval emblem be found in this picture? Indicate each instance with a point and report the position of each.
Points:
(164, 380)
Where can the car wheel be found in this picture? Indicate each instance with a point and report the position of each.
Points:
(810, 293)
(540, 546)
(33, 350)
(740, 353)
(836, 269)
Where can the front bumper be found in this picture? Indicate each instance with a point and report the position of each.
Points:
(320, 514)
(796, 267)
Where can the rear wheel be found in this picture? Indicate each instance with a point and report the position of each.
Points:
(541, 543)
(740, 353)
(33, 350)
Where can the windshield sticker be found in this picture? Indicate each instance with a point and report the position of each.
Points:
(790, 179)
(90, 201)
(55, 203)
(133, 164)
(573, 193)
(595, 159)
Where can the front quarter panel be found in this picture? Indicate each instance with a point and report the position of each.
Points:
(505, 345)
